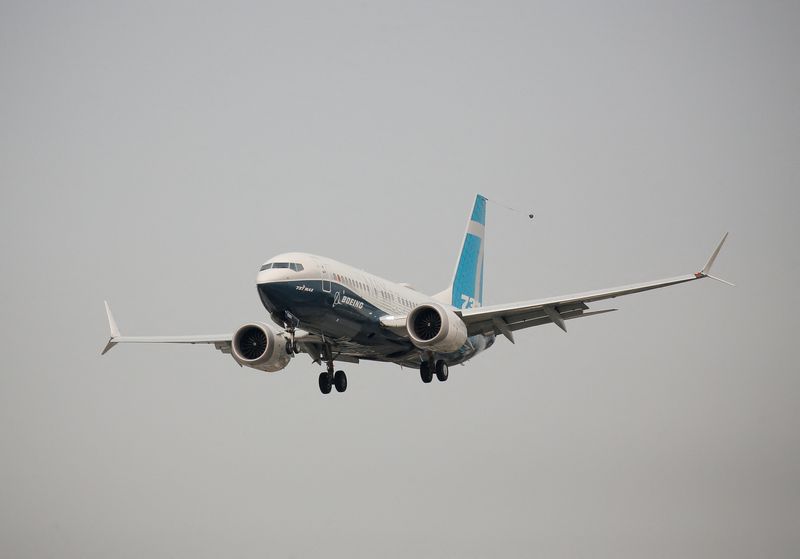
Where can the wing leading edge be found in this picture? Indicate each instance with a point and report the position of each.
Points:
(221, 341)
(505, 319)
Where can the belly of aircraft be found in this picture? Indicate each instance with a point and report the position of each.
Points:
(339, 314)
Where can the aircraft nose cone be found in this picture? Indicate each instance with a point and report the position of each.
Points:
(269, 296)
(266, 276)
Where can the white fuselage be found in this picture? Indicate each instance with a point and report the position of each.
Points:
(340, 302)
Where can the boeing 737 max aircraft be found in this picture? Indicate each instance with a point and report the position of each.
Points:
(334, 312)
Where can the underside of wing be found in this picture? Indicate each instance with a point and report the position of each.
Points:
(552, 309)
(505, 319)
(511, 320)
(221, 341)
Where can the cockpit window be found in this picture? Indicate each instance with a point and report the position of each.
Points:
(295, 266)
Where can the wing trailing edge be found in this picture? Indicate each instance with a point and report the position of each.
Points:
(556, 310)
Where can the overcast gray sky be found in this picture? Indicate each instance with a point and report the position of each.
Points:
(155, 154)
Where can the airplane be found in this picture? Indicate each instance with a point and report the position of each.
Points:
(335, 312)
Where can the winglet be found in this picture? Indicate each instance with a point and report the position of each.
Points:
(707, 268)
(705, 272)
(112, 325)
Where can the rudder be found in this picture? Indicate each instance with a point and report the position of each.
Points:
(466, 289)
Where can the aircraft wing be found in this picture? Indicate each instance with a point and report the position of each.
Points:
(221, 341)
(505, 319)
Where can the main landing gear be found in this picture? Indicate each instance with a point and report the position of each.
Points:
(328, 379)
(428, 368)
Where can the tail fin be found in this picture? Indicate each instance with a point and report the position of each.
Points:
(466, 290)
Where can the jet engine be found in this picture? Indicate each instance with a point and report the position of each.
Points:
(257, 346)
(432, 326)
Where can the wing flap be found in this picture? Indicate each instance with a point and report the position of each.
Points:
(537, 317)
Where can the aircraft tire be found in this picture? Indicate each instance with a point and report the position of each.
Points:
(340, 381)
(442, 371)
(325, 382)
(425, 372)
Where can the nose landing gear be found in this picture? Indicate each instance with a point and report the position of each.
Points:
(290, 325)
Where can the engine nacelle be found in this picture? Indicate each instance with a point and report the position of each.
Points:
(432, 326)
(256, 345)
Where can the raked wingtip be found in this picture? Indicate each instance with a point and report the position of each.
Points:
(710, 262)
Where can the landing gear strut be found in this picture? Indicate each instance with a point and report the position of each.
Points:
(329, 378)
(290, 325)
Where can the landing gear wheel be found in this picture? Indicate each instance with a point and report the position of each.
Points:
(425, 372)
(442, 371)
(325, 382)
(340, 381)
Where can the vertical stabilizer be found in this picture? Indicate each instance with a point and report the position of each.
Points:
(466, 289)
